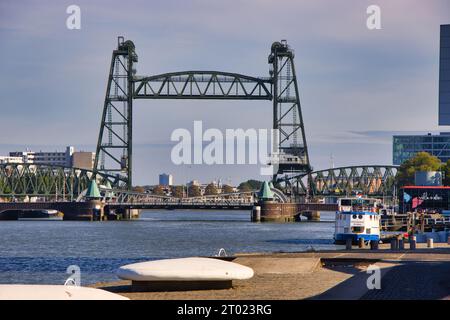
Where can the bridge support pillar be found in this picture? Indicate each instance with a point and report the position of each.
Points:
(88, 210)
(133, 214)
(256, 214)
(311, 215)
(122, 213)
(278, 212)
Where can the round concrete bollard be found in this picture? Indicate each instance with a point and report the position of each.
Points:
(361, 243)
(394, 244)
(412, 243)
(373, 244)
(348, 244)
(430, 243)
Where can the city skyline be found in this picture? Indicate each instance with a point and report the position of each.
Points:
(346, 75)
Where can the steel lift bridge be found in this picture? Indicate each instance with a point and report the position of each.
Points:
(113, 160)
(114, 148)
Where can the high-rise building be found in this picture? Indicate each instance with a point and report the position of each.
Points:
(165, 179)
(406, 146)
(444, 76)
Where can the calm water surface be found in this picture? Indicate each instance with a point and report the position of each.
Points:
(41, 251)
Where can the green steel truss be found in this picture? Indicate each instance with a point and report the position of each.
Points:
(287, 113)
(373, 180)
(114, 146)
(202, 85)
(63, 183)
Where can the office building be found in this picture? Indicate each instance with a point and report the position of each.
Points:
(67, 158)
(8, 159)
(44, 157)
(165, 179)
(444, 76)
(406, 146)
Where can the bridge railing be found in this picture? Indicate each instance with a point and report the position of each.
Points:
(125, 196)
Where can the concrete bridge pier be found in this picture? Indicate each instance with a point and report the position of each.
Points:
(91, 210)
(311, 215)
(256, 214)
(121, 213)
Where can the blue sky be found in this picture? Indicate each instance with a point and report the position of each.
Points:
(357, 86)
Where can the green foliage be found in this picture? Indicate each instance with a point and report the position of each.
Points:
(227, 189)
(422, 161)
(194, 191)
(446, 172)
(211, 190)
(177, 191)
(250, 185)
(139, 189)
(158, 190)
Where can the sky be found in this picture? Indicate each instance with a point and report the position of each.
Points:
(357, 86)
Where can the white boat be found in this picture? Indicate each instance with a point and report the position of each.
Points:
(54, 292)
(357, 218)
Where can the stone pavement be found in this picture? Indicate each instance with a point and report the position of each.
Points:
(414, 281)
(406, 274)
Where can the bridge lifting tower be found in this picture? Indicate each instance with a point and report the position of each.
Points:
(292, 156)
(114, 146)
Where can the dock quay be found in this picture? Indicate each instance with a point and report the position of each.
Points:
(322, 275)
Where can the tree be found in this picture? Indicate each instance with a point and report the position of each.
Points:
(210, 190)
(250, 185)
(139, 189)
(255, 184)
(158, 190)
(245, 187)
(227, 189)
(422, 161)
(177, 191)
(445, 168)
(194, 191)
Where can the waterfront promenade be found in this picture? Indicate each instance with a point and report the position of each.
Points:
(419, 274)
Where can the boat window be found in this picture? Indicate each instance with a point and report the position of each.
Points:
(346, 202)
(368, 230)
(357, 229)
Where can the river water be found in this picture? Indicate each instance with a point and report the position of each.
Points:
(40, 251)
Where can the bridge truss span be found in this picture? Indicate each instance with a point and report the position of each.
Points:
(371, 180)
(20, 180)
(202, 85)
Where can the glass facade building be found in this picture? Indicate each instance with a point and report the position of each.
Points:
(406, 146)
(444, 76)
